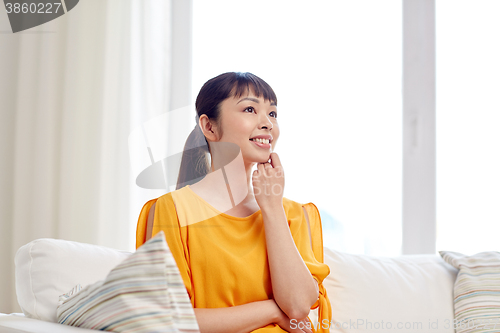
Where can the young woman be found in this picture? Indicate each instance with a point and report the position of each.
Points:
(251, 260)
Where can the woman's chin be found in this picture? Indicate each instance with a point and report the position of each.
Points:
(264, 159)
(258, 159)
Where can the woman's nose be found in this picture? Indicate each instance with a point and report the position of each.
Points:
(266, 123)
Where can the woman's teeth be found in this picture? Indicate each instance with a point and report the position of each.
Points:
(266, 141)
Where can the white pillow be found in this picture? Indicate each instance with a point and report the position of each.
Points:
(144, 293)
(47, 268)
(412, 293)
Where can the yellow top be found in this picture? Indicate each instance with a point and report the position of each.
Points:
(223, 259)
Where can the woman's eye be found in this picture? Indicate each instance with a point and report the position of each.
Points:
(273, 114)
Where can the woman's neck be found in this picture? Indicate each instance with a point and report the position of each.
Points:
(229, 183)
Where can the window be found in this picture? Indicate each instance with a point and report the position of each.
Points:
(336, 69)
(468, 125)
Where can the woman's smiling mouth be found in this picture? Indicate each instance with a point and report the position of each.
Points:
(263, 140)
(262, 143)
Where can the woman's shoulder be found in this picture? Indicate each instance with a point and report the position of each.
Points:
(293, 203)
(164, 201)
(169, 197)
(297, 207)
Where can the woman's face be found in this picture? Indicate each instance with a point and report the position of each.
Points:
(246, 118)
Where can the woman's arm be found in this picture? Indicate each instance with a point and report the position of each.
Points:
(246, 318)
(237, 319)
(294, 288)
(149, 224)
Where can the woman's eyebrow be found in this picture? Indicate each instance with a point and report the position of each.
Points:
(249, 99)
(255, 100)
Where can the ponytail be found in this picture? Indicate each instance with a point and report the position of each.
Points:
(195, 162)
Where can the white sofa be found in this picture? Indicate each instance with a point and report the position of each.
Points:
(368, 294)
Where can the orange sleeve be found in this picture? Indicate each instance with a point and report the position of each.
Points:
(142, 223)
(312, 254)
(165, 219)
(325, 308)
(300, 234)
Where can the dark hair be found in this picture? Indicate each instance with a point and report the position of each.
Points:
(195, 163)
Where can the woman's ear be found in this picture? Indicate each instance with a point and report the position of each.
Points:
(208, 129)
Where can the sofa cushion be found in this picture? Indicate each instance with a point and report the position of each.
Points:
(411, 293)
(476, 290)
(47, 268)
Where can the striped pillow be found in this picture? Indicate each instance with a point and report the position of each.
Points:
(476, 291)
(145, 293)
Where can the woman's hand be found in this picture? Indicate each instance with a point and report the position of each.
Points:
(293, 326)
(268, 184)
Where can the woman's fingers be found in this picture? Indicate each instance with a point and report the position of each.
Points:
(275, 160)
(269, 182)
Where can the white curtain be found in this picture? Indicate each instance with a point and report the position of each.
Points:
(71, 92)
